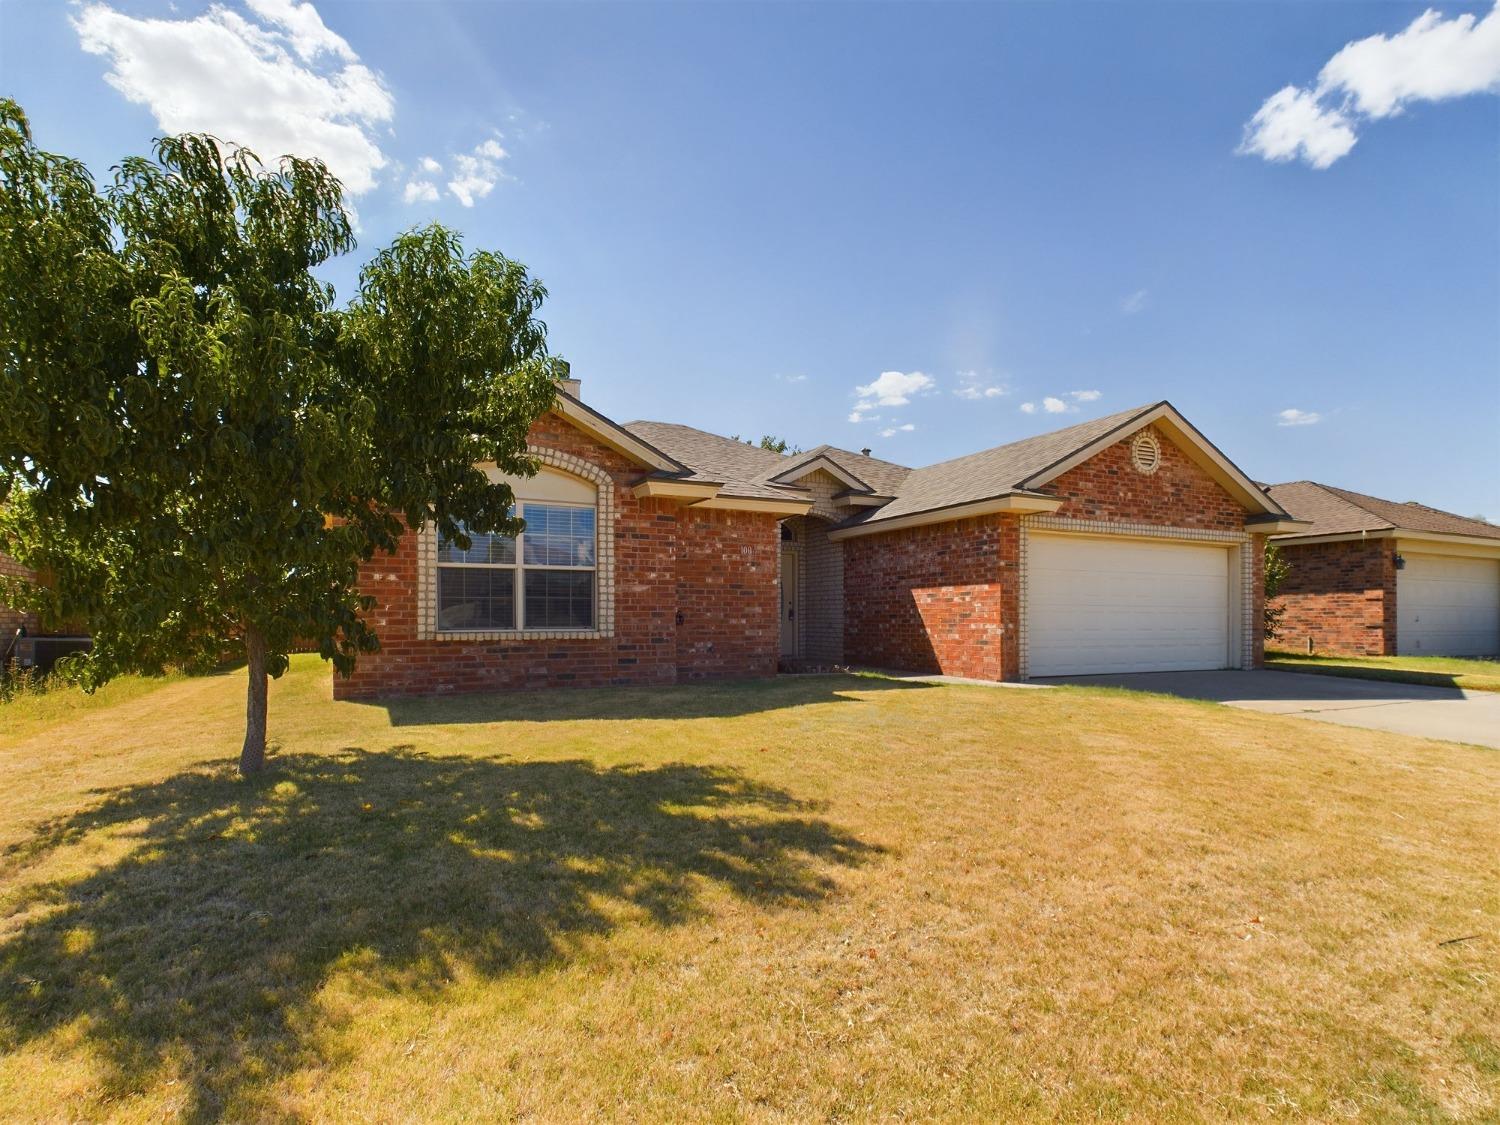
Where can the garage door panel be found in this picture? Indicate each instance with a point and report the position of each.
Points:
(1097, 606)
(1448, 606)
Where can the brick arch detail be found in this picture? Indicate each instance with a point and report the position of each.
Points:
(606, 507)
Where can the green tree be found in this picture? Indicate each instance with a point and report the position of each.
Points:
(1277, 569)
(772, 443)
(199, 446)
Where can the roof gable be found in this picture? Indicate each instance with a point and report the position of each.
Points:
(817, 462)
(1026, 467)
(1174, 490)
(1186, 437)
(885, 478)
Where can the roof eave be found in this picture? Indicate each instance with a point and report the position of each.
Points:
(1434, 539)
(1440, 542)
(1275, 526)
(614, 435)
(787, 507)
(1296, 539)
(1019, 503)
(855, 499)
(669, 488)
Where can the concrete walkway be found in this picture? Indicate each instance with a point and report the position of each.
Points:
(1451, 714)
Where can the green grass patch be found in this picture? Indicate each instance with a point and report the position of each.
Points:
(36, 704)
(1437, 671)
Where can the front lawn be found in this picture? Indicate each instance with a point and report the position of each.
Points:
(825, 897)
(1439, 671)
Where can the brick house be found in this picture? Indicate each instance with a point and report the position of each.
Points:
(12, 619)
(1379, 578)
(656, 553)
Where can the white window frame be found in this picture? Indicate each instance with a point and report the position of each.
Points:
(520, 567)
(604, 505)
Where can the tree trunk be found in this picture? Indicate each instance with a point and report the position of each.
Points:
(253, 754)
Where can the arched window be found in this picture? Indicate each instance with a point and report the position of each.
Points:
(544, 578)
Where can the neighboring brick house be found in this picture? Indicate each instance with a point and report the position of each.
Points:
(656, 553)
(1379, 578)
(13, 619)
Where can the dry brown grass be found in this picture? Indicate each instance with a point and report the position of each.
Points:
(814, 898)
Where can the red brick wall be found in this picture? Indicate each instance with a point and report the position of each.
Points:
(1179, 494)
(728, 597)
(935, 598)
(11, 619)
(1342, 595)
(1257, 600)
(941, 598)
(664, 560)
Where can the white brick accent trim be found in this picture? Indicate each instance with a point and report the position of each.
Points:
(1239, 541)
(604, 567)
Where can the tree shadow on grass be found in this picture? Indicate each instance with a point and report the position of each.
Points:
(724, 699)
(199, 954)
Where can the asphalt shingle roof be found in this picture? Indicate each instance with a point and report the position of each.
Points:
(994, 472)
(746, 470)
(739, 467)
(1338, 511)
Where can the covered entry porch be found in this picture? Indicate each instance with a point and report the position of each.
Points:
(812, 592)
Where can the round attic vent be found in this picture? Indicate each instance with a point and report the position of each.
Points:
(1145, 452)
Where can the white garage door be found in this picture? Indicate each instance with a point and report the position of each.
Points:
(1448, 606)
(1100, 605)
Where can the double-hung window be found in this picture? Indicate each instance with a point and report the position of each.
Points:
(543, 578)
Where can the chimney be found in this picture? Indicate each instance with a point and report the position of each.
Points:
(567, 383)
(865, 452)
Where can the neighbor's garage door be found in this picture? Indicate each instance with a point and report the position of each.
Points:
(1448, 606)
(1100, 605)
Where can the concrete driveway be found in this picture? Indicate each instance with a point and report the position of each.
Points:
(1428, 712)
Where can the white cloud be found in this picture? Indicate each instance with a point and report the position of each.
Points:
(430, 166)
(1134, 303)
(420, 191)
(790, 378)
(895, 388)
(280, 83)
(308, 34)
(1066, 403)
(1295, 417)
(1433, 59)
(1292, 123)
(892, 431)
(974, 388)
(892, 388)
(476, 173)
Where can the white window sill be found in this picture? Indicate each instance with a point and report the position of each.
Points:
(521, 635)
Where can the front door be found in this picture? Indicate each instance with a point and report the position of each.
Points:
(789, 645)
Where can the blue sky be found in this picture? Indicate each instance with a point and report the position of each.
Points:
(995, 219)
